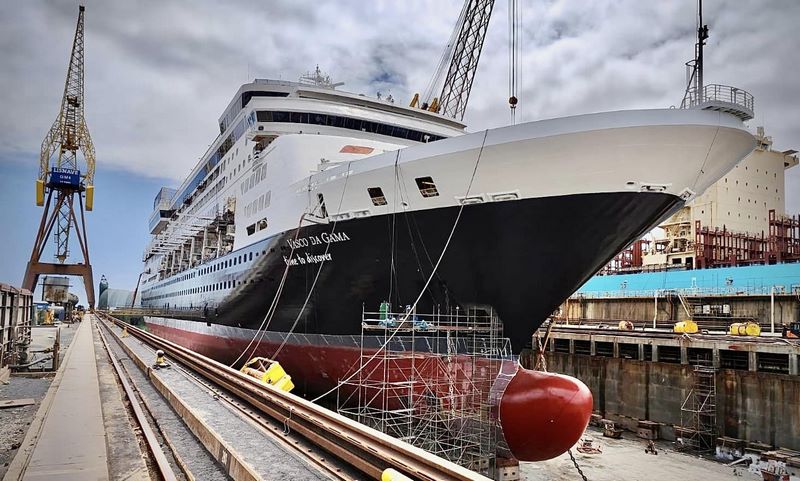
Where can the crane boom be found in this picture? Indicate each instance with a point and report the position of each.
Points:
(464, 63)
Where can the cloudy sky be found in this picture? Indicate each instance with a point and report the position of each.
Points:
(159, 73)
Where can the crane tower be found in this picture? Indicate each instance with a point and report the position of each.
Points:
(64, 185)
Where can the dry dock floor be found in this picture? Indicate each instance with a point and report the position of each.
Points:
(625, 460)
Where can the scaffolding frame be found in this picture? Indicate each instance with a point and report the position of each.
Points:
(431, 380)
(699, 410)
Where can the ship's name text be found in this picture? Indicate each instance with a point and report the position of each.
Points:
(315, 240)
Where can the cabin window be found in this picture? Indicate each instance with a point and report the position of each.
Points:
(376, 194)
(426, 187)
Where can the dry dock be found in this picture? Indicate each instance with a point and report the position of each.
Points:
(743, 389)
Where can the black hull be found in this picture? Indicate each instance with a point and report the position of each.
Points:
(521, 258)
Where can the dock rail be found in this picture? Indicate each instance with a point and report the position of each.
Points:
(366, 449)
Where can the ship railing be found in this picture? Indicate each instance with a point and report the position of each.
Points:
(728, 291)
(719, 97)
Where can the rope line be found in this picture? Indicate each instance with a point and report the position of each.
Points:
(273, 306)
(262, 329)
(424, 288)
(319, 270)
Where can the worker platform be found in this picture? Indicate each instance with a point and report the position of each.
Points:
(67, 437)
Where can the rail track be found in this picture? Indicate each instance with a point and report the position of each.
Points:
(153, 445)
(366, 450)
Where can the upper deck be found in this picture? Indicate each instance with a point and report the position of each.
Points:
(277, 107)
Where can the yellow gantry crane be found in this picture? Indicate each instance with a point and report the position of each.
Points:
(61, 180)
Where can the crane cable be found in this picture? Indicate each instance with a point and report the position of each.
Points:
(444, 61)
(513, 57)
(321, 264)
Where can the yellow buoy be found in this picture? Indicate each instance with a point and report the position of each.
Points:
(744, 329)
(625, 326)
(688, 327)
(268, 372)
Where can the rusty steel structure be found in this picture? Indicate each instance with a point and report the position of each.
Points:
(16, 317)
(63, 188)
(723, 248)
(629, 258)
(720, 247)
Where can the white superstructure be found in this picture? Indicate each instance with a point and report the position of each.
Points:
(292, 154)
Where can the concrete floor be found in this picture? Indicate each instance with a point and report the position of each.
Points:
(14, 422)
(625, 460)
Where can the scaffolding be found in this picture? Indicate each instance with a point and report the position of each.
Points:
(431, 380)
(712, 246)
(699, 409)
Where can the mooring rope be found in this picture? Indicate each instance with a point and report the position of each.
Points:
(427, 283)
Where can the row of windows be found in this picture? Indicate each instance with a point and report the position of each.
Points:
(346, 123)
(236, 260)
(246, 257)
(257, 176)
(231, 114)
(208, 195)
(747, 184)
(262, 202)
(197, 290)
(766, 172)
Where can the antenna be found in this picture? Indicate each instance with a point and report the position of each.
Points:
(702, 35)
(694, 81)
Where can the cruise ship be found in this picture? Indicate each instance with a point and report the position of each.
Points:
(314, 205)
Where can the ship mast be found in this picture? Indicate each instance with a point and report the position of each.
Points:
(694, 82)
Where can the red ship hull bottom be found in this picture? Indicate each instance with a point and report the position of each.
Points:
(541, 414)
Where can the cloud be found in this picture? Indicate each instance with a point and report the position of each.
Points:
(158, 74)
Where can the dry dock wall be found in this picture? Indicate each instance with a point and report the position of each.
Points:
(667, 309)
(751, 405)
